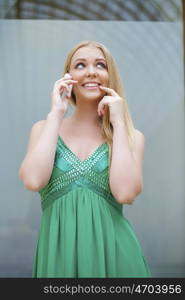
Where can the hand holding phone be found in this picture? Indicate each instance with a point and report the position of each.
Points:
(62, 92)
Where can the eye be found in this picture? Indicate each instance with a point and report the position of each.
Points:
(77, 66)
(102, 65)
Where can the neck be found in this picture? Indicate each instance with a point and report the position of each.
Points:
(86, 114)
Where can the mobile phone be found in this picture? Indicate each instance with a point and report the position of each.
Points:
(68, 94)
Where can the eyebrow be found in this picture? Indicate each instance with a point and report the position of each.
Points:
(85, 59)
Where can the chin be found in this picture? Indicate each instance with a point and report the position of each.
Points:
(92, 95)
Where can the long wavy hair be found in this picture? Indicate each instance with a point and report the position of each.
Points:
(115, 83)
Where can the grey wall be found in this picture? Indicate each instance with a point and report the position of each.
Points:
(150, 60)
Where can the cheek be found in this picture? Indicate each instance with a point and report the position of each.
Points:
(73, 75)
(76, 75)
(105, 77)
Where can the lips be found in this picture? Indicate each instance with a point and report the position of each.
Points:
(91, 84)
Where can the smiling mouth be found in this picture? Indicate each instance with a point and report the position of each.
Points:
(91, 86)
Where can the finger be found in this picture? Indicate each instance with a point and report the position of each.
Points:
(60, 88)
(68, 94)
(66, 81)
(71, 81)
(65, 93)
(108, 90)
(101, 112)
(63, 86)
(101, 107)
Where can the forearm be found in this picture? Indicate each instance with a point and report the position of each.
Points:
(38, 164)
(124, 181)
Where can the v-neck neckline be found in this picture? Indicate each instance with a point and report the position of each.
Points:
(74, 155)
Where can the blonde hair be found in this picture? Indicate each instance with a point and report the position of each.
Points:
(115, 83)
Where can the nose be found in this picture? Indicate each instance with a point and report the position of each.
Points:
(91, 71)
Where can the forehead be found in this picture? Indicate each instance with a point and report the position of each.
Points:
(88, 52)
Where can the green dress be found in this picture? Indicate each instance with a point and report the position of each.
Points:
(83, 232)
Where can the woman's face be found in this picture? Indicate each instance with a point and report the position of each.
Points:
(89, 67)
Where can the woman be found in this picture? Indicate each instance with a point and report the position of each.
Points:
(86, 167)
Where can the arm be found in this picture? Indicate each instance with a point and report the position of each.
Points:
(36, 168)
(126, 179)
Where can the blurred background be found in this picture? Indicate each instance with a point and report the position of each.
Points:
(146, 39)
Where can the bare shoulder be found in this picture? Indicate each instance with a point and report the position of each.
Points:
(38, 125)
(139, 142)
(139, 137)
(138, 133)
(37, 128)
(35, 133)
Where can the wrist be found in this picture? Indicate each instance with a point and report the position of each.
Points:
(118, 123)
(55, 115)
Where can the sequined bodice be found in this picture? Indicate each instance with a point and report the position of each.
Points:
(70, 172)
